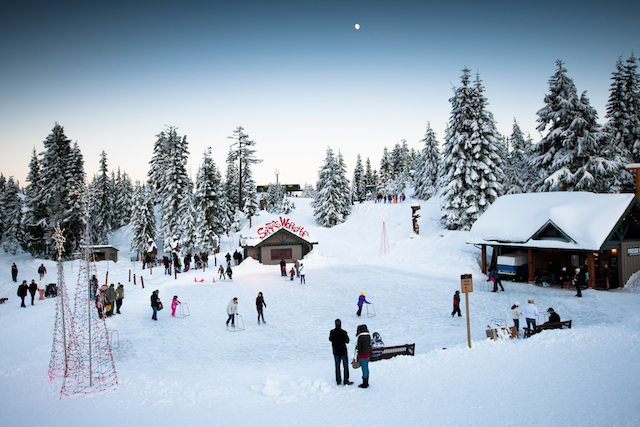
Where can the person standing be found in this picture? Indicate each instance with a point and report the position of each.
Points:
(155, 302)
(110, 296)
(23, 290)
(576, 283)
(119, 297)
(302, 278)
(496, 280)
(260, 304)
(33, 287)
(456, 304)
(361, 300)
(42, 270)
(42, 286)
(228, 258)
(283, 268)
(232, 310)
(363, 347)
(221, 271)
(531, 314)
(339, 340)
(229, 272)
(515, 315)
(297, 265)
(14, 272)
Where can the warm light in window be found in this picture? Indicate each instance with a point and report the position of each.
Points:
(614, 251)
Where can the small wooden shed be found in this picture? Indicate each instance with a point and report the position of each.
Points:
(105, 252)
(280, 245)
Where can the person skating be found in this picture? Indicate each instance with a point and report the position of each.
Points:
(302, 278)
(42, 270)
(174, 305)
(283, 268)
(496, 280)
(515, 315)
(23, 290)
(221, 271)
(119, 297)
(363, 347)
(361, 300)
(292, 272)
(576, 283)
(232, 310)
(339, 340)
(14, 272)
(155, 303)
(33, 287)
(260, 304)
(229, 272)
(456, 304)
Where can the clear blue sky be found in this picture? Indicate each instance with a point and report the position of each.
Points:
(297, 76)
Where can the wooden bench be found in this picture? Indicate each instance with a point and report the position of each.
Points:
(389, 352)
(539, 328)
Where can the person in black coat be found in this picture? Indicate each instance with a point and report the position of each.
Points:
(33, 288)
(456, 304)
(260, 304)
(23, 290)
(283, 268)
(154, 304)
(553, 316)
(339, 340)
(363, 345)
(14, 272)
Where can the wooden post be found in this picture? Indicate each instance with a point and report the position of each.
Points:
(591, 268)
(532, 266)
(484, 259)
(129, 275)
(635, 167)
(106, 279)
(466, 285)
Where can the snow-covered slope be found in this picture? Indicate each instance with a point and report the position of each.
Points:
(192, 371)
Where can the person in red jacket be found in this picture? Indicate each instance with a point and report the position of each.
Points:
(456, 304)
(42, 270)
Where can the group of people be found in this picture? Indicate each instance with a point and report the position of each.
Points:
(297, 270)
(232, 310)
(364, 343)
(237, 258)
(24, 289)
(224, 274)
(108, 298)
(380, 198)
(531, 314)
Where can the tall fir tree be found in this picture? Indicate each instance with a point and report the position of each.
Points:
(385, 176)
(575, 154)
(187, 223)
(242, 150)
(471, 161)
(518, 175)
(426, 169)
(123, 190)
(231, 183)
(36, 211)
(102, 208)
(143, 219)
(209, 202)
(368, 174)
(332, 203)
(11, 203)
(358, 184)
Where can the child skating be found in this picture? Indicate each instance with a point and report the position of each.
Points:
(174, 304)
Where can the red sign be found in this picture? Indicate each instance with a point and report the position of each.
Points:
(285, 223)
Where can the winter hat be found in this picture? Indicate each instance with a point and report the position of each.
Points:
(530, 301)
(175, 297)
(361, 293)
(457, 292)
(551, 310)
(577, 270)
(338, 323)
(517, 304)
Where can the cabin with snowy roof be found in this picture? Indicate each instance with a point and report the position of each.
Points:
(280, 245)
(560, 231)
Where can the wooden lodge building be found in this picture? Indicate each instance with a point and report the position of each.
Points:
(599, 233)
(282, 244)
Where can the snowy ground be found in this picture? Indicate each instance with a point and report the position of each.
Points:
(194, 372)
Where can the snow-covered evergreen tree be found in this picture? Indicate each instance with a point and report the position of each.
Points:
(518, 175)
(358, 185)
(368, 174)
(143, 219)
(308, 191)
(209, 202)
(12, 235)
(231, 184)
(123, 199)
(471, 162)
(426, 170)
(36, 211)
(385, 176)
(623, 108)
(102, 207)
(187, 214)
(242, 150)
(276, 201)
(332, 203)
(575, 154)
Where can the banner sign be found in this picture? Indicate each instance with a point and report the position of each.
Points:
(285, 223)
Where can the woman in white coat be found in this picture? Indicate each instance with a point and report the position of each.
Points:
(515, 315)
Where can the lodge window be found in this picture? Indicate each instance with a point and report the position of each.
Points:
(281, 253)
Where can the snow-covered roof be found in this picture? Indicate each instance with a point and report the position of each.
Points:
(583, 220)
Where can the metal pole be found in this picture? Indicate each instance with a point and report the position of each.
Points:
(466, 300)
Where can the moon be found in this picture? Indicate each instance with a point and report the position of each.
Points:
(357, 26)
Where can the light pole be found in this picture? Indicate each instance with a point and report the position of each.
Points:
(277, 173)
